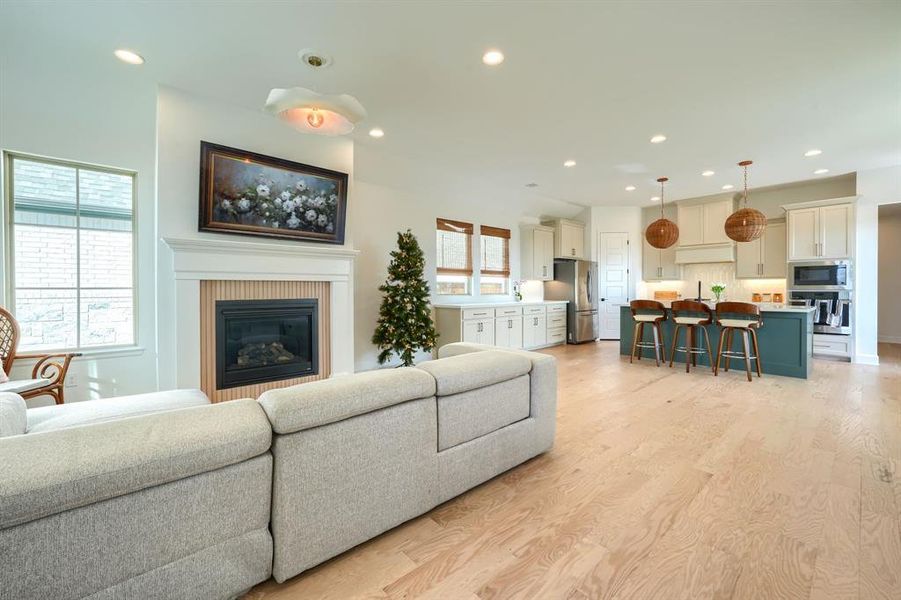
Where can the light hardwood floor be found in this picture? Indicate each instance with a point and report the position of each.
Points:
(666, 485)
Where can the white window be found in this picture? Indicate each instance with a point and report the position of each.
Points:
(494, 274)
(71, 254)
(454, 248)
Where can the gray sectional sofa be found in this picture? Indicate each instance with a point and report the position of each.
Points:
(208, 500)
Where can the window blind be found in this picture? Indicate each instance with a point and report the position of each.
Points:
(454, 247)
(495, 251)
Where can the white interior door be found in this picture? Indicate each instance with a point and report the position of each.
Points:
(613, 273)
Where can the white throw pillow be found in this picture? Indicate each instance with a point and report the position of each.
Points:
(13, 419)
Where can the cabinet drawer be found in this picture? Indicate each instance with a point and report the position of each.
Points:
(477, 313)
(832, 345)
(556, 308)
(556, 335)
(508, 311)
(533, 310)
(557, 320)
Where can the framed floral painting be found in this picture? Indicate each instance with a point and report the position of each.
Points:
(254, 194)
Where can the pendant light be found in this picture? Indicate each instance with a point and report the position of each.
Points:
(662, 233)
(745, 224)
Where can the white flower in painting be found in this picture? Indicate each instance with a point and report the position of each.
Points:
(318, 202)
(263, 191)
(330, 227)
(311, 215)
(333, 199)
(225, 204)
(278, 201)
(293, 222)
(275, 224)
(286, 195)
(301, 185)
(243, 204)
(322, 220)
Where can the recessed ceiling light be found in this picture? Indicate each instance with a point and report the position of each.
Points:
(708, 173)
(132, 58)
(820, 171)
(655, 198)
(813, 152)
(728, 186)
(376, 132)
(314, 58)
(569, 163)
(493, 58)
(630, 188)
(658, 138)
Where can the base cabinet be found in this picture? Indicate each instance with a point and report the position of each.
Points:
(534, 331)
(526, 326)
(479, 331)
(508, 332)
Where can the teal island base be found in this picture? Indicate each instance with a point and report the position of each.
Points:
(786, 341)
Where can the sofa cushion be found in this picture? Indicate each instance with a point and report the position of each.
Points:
(12, 415)
(476, 370)
(318, 403)
(469, 415)
(50, 418)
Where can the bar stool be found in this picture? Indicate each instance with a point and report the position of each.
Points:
(744, 318)
(691, 316)
(654, 313)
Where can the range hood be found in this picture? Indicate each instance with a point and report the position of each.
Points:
(706, 253)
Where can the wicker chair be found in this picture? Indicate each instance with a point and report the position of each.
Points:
(48, 376)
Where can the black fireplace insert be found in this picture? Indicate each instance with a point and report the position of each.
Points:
(265, 340)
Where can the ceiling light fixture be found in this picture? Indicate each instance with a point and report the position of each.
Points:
(376, 132)
(655, 198)
(658, 139)
(820, 171)
(814, 152)
(310, 112)
(630, 188)
(314, 58)
(708, 173)
(746, 224)
(532, 185)
(127, 56)
(569, 163)
(662, 233)
(493, 58)
(728, 186)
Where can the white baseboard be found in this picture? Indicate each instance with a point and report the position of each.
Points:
(866, 359)
(890, 339)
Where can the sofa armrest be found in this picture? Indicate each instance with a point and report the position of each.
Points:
(319, 403)
(46, 473)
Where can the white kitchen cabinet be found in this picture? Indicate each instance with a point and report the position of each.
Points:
(569, 238)
(658, 265)
(479, 331)
(508, 332)
(701, 224)
(763, 258)
(534, 331)
(816, 232)
(537, 256)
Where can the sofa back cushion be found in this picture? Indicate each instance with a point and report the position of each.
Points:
(469, 415)
(12, 415)
(51, 418)
(465, 372)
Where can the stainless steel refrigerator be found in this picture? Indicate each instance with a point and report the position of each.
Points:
(577, 282)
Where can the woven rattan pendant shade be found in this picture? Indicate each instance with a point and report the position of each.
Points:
(746, 224)
(662, 233)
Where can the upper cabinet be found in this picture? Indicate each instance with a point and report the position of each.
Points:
(764, 258)
(537, 252)
(825, 231)
(569, 238)
(658, 265)
(701, 224)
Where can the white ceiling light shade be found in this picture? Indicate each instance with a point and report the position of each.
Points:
(814, 152)
(658, 139)
(493, 58)
(129, 56)
(311, 112)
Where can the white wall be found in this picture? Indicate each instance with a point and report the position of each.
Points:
(102, 113)
(889, 321)
(183, 121)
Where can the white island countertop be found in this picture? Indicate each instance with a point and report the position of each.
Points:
(764, 306)
(496, 304)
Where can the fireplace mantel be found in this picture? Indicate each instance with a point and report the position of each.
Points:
(196, 259)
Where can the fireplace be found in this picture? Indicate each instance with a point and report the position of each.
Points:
(265, 340)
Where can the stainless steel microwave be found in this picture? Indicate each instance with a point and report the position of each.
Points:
(821, 274)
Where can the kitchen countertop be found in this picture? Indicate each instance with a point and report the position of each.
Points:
(764, 306)
(496, 304)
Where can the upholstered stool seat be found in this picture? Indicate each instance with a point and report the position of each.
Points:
(689, 320)
(652, 313)
(693, 317)
(646, 318)
(744, 318)
(738, 323)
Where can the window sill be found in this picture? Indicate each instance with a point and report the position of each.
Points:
(99, 353)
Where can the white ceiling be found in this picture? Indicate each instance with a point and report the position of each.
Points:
(724, 81)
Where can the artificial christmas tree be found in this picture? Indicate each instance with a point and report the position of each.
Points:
(405, 318)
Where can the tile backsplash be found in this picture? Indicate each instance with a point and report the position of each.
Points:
(736, 289)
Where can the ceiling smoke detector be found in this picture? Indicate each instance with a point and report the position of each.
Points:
(532, 185)
(314, 58)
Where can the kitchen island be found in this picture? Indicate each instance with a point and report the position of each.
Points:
(785, 340)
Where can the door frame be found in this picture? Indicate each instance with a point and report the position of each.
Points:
(629, 286)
